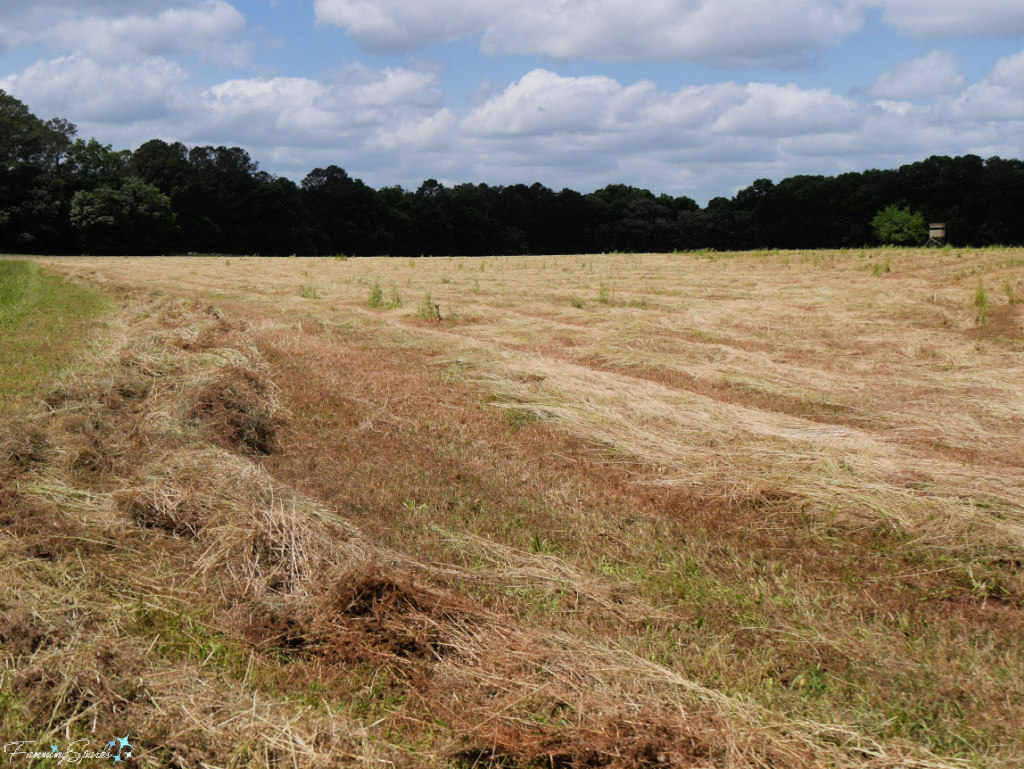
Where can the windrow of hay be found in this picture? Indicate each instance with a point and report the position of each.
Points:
(727, 446)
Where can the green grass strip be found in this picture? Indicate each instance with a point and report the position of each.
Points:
(44, 321)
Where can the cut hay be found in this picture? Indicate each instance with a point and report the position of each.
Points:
(237, 620)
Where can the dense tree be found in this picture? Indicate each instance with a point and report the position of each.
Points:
(22, 135)
(64, 194)
(134, 217)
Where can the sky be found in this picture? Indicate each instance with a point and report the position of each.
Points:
(685, 97)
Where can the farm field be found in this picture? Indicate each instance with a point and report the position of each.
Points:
(671, 510)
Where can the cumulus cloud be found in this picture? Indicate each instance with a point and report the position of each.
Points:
(85, 90)
(304, 112)
(544, 103)
(941, 18)
(388, 25)
(997, 97)
(199, 30)
(932, 75)
(739, 32)
(115, 30)
(782, 33)
(729, 32)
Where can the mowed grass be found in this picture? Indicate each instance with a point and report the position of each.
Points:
(790, 484)
(44, 319)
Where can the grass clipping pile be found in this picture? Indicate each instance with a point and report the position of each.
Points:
(159, 583)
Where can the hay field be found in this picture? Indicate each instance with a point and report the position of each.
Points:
(757, 509)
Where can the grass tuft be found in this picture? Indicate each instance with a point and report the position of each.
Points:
(982, 303)
(428, 310)
(376, 298)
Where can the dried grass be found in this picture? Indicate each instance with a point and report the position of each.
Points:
(157, 453)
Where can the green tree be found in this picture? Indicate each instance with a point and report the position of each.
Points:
(135, 218)
(22, 134)
(899, 225)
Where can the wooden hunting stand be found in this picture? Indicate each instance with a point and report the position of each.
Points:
(936, 234)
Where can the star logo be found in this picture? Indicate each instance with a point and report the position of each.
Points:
(119, 744)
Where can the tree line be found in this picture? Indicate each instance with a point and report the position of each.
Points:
(60, 194)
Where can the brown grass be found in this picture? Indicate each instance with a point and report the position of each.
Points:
(760, 510)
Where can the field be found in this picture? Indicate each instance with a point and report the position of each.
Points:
(684, 510)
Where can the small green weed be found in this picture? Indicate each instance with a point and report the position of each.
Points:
(982, 303)
(517, 419)
(309, 292)
(604, 293)
(542, 546)
(577, 303)
(396, 300)
(376, 298)
(428, 310)
(1011, 294)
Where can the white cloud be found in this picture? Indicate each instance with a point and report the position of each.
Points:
(730, 32)
(544, 103)
(783, 33)
(432, 133)
(117, 30)
(941, 18)
(997, 97)
(590, 131)
(384, 25)
(932, 75)
(774, 110)
(1009, 72)
(304, 112)
(737, 32)
(81, 89)
(200, 30)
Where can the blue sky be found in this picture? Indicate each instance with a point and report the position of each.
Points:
(688, 97)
